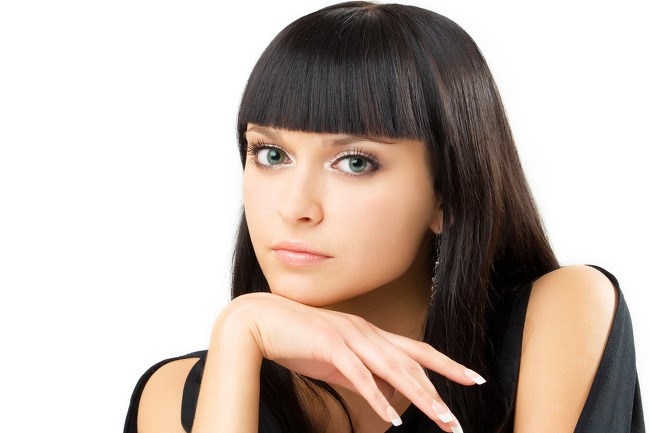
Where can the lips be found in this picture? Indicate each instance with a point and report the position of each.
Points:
(299, 253)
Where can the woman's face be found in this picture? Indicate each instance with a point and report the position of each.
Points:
(365, 204)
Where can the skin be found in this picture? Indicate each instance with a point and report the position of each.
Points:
(377, 227)
(568, 320)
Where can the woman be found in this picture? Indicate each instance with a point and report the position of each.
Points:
(391, 265)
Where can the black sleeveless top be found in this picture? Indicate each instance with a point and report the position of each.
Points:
(613, 404)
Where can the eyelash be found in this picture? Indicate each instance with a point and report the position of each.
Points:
(254, 148)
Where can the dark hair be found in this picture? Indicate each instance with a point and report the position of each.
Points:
(403, 71)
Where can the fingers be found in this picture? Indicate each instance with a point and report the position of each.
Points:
(351, 366)
(386, 388)
(429, 357)
(340, 379)
(397, 361)
(393, 365)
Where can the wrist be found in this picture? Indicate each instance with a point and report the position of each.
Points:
(236, 328)
(229, 394)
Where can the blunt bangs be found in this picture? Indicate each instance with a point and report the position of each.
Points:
(320, 76)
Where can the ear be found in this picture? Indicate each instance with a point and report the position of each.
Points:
(436, 221)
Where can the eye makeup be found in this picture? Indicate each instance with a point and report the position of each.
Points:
(255, 148)
(358, 154)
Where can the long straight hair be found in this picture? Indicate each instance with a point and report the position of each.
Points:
(403, 71)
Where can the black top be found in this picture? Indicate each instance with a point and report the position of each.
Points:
(613, 404)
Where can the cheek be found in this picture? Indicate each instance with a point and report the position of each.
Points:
(258, 206)
(382, 229)
(374, 230)
(260, 194)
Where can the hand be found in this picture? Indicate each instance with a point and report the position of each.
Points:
(346, 350)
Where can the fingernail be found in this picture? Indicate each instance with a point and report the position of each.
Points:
(443, 413)
(394, 417)
(474, 376)
(456, 429)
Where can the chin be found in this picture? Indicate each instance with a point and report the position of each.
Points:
(315, 295)
(301, 296)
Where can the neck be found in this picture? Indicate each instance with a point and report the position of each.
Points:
(399, 307)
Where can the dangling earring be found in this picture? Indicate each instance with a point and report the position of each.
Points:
(434, 279)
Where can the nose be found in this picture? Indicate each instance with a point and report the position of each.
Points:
(301, 197)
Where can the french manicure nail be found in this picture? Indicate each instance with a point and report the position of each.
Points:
(474, 376)
(394, 417)
(456, 429)
(444, 414)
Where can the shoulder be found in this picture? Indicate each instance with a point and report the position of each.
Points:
(572, 289)
(160, 405)
(568, 321)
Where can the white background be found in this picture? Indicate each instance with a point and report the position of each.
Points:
(120, 177)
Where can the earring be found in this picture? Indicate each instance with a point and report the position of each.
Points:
(434, 280)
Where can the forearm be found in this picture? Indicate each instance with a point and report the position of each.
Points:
(228, 400)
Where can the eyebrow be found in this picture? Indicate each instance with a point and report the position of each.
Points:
(342, 141)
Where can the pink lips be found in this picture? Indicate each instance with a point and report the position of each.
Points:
(298, 253)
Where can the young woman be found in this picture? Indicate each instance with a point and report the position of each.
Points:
(391, 265)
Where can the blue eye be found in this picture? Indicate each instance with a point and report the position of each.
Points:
(265, 156)
(271, 156)
(359, 162)
(355, 165)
